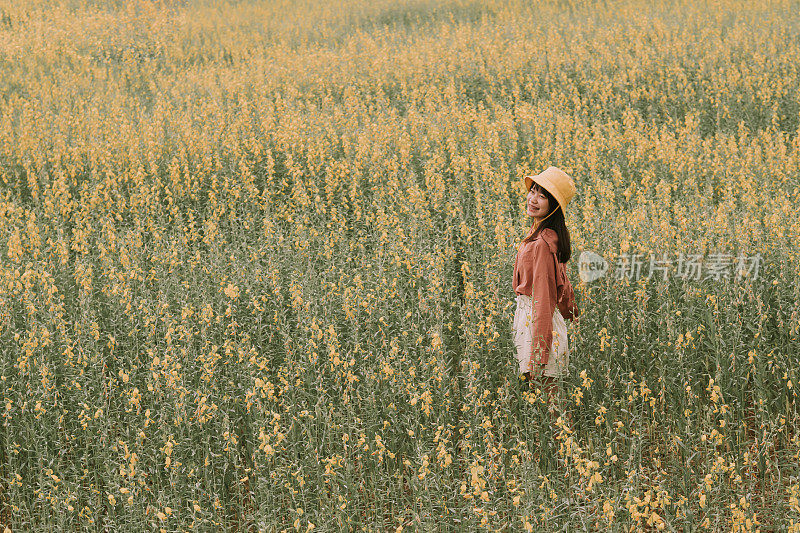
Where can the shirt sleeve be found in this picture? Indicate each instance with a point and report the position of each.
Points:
(544, 302)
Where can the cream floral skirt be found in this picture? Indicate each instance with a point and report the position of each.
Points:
(521, 330)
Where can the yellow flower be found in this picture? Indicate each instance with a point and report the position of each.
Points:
(15, 247)
(231, 291)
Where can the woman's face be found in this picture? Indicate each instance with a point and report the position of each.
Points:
(537, 203)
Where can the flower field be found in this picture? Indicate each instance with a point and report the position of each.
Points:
(255, 265)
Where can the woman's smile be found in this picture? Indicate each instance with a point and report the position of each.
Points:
(537, 204)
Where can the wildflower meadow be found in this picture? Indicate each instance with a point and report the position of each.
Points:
(256, 257)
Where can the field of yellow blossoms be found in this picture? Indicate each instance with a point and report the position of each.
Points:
(255, 265)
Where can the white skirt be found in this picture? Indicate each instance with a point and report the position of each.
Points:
(522, 331)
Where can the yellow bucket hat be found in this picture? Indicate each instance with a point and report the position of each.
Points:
(557, 182)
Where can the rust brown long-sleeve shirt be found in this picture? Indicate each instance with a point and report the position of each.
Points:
(538, 274)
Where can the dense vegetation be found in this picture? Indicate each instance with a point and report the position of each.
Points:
(255, 265)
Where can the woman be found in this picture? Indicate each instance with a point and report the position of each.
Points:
(544, 293)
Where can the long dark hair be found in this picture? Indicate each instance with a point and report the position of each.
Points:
(554, 221)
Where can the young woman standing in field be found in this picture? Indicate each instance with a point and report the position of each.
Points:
(544, 293)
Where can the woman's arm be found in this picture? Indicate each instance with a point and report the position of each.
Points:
(566, 301)
(544, 301)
